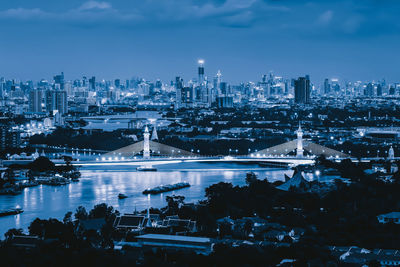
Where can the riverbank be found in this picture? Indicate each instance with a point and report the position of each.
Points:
(98, 186)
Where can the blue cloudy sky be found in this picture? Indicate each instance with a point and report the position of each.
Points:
(347, 39)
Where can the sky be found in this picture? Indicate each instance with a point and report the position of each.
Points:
(346, 39)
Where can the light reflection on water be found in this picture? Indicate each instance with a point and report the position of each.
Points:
(99, 186)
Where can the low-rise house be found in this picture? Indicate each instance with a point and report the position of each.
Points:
(392, 217)
(361, 256)
(201, 245)
(129, 222)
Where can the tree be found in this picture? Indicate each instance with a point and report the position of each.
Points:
(37, 227)
(81, 213)
(12, 232)
(103, 211)
(42, 164)
(174, 203)
(67, 218)
(251, 177)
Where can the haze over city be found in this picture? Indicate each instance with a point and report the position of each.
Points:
(349, 40)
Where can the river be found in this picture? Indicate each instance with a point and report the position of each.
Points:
(103, 184)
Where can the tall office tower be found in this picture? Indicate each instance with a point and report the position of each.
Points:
(327, 87)
(2, 87)
(92, 83)
(335, 86)
(224, 88)
(158, 84)
(369, 90)
(287, 85)
(187, 95)
(59, 80)
(56, 101)
(178, 90)
(84, 81)
(302, 90)
(117, 83)
(379, 90)
(201, 71)
(392, 90)
(217, 82)
(3, 136)
(35, 101)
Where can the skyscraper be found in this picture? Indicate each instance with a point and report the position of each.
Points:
(379, 90)
(302, 89)
(56, 100)
(201, 71)
(92, 83)
(178, 94)
(369, 90)
(59, 80)
(327, 87)
(35, 101)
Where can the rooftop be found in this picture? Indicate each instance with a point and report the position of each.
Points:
(175, 238)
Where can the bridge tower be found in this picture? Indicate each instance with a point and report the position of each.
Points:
(146, 144)
(154, 136)
(300, 150)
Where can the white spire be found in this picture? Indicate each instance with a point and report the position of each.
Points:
(146, 144)
(300, 150)
(154, 136)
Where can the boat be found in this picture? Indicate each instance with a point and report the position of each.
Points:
(146, 169)
(122, 196)
(10, 212)
(165, 188)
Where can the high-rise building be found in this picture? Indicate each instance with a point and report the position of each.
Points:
(117, 83)
(178, 88)
(56, 101)
(379, 90)
(187, 94)
(225, 101)
(369, 90)
(217, 82)
(59, 80)
(201, 71)
(392, 90)
(302, 90)
(92, 83)
(327, 87)
(35, 101)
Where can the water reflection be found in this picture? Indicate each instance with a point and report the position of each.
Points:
(97, 186)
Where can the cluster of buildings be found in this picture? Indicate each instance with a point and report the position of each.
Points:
(88, 95)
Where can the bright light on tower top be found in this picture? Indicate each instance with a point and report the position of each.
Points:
(201, 61)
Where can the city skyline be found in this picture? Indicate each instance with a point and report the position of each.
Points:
(349, 40)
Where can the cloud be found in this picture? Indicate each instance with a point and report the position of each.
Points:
(91, 5)
(326, 17)
(24, 13)
(290, 17)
